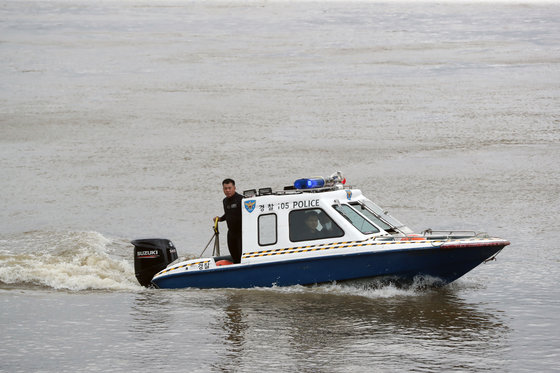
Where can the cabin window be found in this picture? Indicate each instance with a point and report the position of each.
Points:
(356, 219)
(267, 229)
(371, 216)
(312, 224)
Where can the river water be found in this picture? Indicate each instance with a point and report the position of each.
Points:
(120, 118)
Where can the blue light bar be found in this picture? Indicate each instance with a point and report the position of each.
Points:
(316, 182)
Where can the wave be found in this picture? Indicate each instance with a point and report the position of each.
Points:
(374, 288)
(64, 260)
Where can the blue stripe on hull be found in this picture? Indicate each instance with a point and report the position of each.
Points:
(446, 264)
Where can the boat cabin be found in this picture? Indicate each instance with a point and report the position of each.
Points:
(312, 212)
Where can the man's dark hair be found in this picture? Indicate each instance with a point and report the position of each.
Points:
(228, 181)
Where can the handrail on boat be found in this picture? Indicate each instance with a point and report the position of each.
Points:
(453, 233)
(430, 231)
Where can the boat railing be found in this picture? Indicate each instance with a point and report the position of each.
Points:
(432, 234)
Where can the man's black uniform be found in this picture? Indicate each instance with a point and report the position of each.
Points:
(232, 215)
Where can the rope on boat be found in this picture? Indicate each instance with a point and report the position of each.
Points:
(216, 238)
(493, 257)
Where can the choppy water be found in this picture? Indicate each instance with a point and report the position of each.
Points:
(120, 118)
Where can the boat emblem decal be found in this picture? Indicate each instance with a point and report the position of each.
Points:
(349, 194)
(250, 205)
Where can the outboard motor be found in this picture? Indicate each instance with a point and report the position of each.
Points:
(151, 256)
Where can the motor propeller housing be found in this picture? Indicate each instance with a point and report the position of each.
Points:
(151, 256)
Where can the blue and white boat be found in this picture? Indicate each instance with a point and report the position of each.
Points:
(318, 231)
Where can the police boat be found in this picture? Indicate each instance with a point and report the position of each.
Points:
(317, 231)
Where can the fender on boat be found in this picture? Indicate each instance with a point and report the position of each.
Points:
(223, 263)
(413, 237)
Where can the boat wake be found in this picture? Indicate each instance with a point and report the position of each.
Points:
(64, 261)
(374, 288)
(387, 287)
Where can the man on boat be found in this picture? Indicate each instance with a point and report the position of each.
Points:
(311, 223)
(232, 215)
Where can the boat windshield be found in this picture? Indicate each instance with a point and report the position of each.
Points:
(357, 220)
(371, 216)
(382, 214)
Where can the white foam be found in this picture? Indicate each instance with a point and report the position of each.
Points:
(369, 288)
(64, 260)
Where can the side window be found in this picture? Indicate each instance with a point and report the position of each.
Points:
(312, 224)
(267, 229)
(356, 219)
